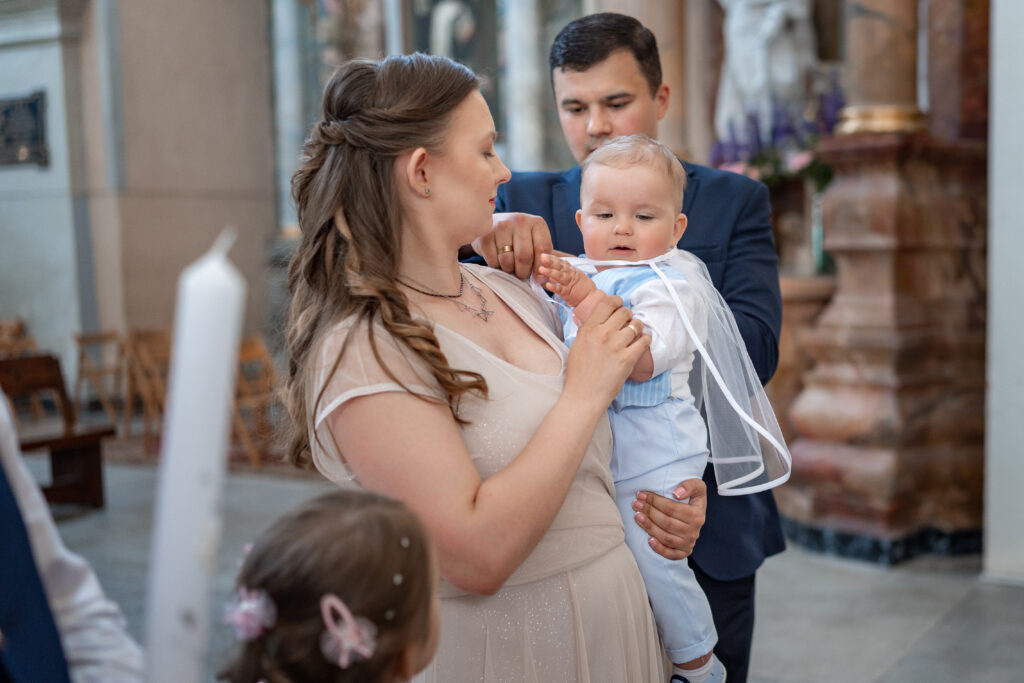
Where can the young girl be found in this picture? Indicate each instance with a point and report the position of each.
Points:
(343, 588)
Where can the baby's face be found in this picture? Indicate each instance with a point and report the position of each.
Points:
(628, 214)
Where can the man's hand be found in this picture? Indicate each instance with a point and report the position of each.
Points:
(672, 524)
(527, 235)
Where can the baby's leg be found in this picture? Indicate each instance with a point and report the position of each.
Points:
(680, 608)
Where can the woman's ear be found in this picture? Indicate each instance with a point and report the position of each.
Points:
(417, 171)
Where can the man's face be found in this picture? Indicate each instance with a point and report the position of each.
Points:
(608, 100)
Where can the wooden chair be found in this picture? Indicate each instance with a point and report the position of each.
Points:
(14, 338)
(15, 341)
(76, 463)
(148, 359)
(256, 394)
(100, 358)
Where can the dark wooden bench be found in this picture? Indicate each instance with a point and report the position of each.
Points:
(76, 461)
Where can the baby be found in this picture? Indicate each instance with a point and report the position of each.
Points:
(631, 191)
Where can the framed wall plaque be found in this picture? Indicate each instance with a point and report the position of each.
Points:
(23, 130)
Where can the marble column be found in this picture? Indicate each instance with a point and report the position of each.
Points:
(958, 43)
(881, 99)
(888, 461)
(289, 33)
(803, 299)
(526, 90)
(703, 46)
(665, 20)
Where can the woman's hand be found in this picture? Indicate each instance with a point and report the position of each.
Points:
(604, 353)
(673, 525)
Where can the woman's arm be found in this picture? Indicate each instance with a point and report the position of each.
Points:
(411, 450)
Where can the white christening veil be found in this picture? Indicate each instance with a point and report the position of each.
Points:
(745, 442)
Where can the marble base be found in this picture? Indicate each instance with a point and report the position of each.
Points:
(887, 552)
(803, 299)
(890, 421)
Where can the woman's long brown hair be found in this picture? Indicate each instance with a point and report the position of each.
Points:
(350, 217)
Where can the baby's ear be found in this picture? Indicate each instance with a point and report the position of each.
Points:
(579, 218)
(679, 228)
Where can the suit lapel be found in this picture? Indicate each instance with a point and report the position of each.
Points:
(692, 187)
(565, 202)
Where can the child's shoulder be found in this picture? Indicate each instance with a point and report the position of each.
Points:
(624, 279)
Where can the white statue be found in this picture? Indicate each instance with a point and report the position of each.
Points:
(451, 24)
(770, 49)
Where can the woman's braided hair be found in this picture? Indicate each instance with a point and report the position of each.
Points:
(350, 216)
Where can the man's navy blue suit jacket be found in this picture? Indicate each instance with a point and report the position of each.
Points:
(729, 228)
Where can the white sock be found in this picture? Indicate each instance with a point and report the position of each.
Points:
(701, 674)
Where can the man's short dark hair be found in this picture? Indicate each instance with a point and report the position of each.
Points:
(591, 39)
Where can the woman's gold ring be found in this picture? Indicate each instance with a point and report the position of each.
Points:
(505, 249)
(637, 327)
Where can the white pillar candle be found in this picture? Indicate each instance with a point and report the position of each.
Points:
(188, 516)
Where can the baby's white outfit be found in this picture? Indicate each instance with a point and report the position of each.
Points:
(660, 440)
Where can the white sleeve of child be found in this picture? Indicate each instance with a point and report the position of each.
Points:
(652, 305)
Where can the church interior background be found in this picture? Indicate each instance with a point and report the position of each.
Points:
(133, 131)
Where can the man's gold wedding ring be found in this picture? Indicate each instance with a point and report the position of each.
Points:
(637, 327)
(505, 249)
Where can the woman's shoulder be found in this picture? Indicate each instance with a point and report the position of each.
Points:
(362, 352)
(527, 298)
(494, 275)
(506, 285)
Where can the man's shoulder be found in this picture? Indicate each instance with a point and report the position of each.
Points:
(535, 178)
(536, 192)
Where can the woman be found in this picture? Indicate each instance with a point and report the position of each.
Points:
(448, 387)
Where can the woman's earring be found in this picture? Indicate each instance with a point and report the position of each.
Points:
(426, 191)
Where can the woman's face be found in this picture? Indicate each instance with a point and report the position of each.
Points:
(464, 174)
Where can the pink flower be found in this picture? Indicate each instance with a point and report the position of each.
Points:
(251, 613)
(798, 161)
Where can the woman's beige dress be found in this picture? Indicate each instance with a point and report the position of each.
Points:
(576, 609)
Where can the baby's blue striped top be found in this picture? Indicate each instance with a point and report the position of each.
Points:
(623, 282)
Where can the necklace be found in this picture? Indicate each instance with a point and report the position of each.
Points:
(482, 312)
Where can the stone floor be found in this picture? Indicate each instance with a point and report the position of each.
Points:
(819, 618)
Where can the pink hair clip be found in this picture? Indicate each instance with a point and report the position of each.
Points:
(251, 613)
(347, 638)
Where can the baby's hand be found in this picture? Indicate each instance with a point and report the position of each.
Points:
(564, 280)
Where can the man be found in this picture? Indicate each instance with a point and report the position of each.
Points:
(606, 76)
